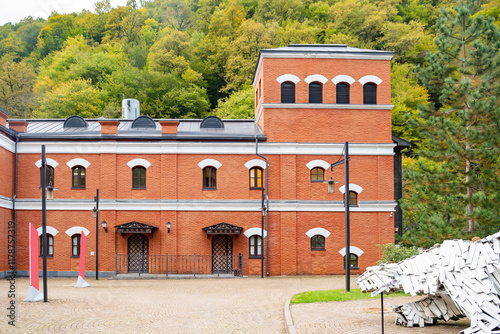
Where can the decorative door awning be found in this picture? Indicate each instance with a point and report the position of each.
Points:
(135, 227)
(223, 228)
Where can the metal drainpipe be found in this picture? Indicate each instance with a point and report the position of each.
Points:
(14, 203)
(267, 202)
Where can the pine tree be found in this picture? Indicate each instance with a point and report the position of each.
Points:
(456, 182)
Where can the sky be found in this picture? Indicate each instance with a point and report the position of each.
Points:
(15, 10)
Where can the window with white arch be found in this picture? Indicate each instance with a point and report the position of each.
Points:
(370, 83)
(354, 258)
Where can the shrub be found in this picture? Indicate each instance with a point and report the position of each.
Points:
(395, 254)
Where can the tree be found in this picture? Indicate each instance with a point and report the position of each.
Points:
(16, 88)
(76, 97)
(239, 105)
(456, 182)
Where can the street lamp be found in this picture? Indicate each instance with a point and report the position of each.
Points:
(95, 214)
(330, 182)
(44, 226)
(168, 226)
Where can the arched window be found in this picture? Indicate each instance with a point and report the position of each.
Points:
(287, 92)
(256, 177)
(354, 261)
(353, 198)
(343, 95)
(255, 243)
(209, 178)
(49, 176)
(317, 174)
(318, 242)
(75, 245)
(50, 244)
(315, 92)
(78, 177)
(139, 177)
(369, 93)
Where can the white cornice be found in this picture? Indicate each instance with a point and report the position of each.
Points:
(327, 106)
(235, 148)
(7, 144)
(294, 55)
(202, 205)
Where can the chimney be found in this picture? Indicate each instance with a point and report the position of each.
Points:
(168, 127)
(109, 126)
(130, 109)
(3, 117)
(18, 125)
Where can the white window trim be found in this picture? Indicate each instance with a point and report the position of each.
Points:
(288, 77)
(138, 162)
(352, 187)
(51, 162)
(353, 250)
(370, 78)
(209, 162)
(318, 230)
(255, 163)
(318, 163)
(77, 230)
(49, 230)
(78, 162)
(254, 231)
(343, 78)
(316, 77)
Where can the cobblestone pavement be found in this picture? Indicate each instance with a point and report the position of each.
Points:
(241, 305)
(362, 317)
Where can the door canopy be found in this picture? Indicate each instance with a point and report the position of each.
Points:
(135, 227)
(223, 228)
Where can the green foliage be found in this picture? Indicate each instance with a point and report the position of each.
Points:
(333, 296)
(394, 254)
(16, 88)
(240, 105)
(455, 183)
(76, 97)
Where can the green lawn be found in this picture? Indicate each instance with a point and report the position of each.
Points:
(333, 296)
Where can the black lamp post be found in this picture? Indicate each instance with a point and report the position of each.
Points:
(347, 199)
(96, 215)
(264, 213)
(44, 226)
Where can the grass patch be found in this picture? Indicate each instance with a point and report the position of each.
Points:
(334, 296)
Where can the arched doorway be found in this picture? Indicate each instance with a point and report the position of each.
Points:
(138, 250)
(222, 253)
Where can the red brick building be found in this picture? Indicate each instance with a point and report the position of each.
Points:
(207, 178)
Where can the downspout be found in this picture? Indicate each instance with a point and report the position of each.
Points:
(14, 203)
(267, 202)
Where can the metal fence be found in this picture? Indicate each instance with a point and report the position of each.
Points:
(179, 264)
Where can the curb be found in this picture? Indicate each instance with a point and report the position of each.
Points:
(290, 328)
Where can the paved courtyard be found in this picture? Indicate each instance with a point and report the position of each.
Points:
(240, 305)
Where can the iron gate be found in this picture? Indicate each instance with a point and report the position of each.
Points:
(222, 251)
(138, 250)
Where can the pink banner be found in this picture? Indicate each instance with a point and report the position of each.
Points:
(83, 244)
(33, 253)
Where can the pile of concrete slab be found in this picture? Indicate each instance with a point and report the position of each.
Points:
(459, 278)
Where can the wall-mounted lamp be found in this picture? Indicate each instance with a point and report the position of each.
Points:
(168, 227)
(392, 213)
(331, 185)
(264, 211)
(94, 212)
(50, 191)
(104, 225)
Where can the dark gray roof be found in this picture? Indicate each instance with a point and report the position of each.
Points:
(325, 49)
(188, 129)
